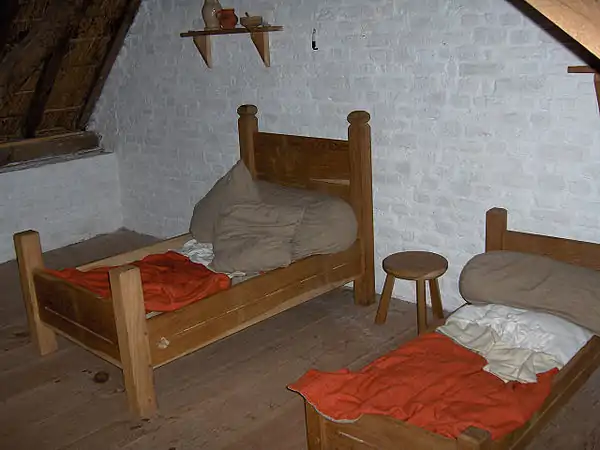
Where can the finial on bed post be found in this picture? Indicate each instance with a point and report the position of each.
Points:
(496, 221)
(247, 128)
(361, 198)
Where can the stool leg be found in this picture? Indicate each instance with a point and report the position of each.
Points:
(421, 307)
(436, 299)
(384, 301)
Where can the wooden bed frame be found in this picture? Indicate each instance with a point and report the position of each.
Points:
(117, 330)
(386, 433)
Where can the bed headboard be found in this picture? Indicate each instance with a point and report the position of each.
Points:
(499, 237)
(337, 167)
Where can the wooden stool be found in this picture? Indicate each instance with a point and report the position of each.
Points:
(420, 267)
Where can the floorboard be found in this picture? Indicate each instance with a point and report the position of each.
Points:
(230, 395)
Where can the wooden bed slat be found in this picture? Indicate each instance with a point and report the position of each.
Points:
(83, 337)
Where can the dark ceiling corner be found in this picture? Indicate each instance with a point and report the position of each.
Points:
(55, 56)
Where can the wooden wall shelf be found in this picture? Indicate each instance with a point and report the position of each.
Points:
(259, 36)
(587, 69)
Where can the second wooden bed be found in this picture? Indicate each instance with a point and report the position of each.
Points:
(116, 328)
(385, 433)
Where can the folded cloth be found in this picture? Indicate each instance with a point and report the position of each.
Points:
(169, 280)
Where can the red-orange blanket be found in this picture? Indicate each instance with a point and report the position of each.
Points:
(430, 382)
(169, 280)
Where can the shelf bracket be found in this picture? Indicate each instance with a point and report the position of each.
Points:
(259, 36)
(203, 45)
(261, 42)
(586, 69)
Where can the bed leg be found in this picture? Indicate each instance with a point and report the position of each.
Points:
(29, 259)
(134, 347)
(474, 439)
(314, 428)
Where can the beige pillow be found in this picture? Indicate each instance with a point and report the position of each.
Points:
(236, 186)
(328, 224)
(254, 237)
(536, 283)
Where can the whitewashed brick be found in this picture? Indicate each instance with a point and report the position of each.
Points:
(470, 103)
(65, 201)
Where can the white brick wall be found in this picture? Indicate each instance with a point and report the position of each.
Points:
(66, 202)
(471, 108)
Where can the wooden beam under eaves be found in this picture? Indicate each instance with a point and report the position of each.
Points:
(580, 19)
(587, 69)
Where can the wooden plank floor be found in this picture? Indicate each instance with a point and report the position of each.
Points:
(230, 395)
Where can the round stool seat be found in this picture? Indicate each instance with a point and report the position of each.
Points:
(416, 265)
(421, 267)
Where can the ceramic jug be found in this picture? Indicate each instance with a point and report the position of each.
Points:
(210, 11)
(227, 18)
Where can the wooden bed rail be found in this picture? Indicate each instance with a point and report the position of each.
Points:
(386, 433)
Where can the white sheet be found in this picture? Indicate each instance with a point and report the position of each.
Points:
(202, 253)
(518, 344)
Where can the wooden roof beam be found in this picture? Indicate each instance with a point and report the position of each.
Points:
(580, 19)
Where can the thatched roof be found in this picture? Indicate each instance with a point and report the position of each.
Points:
(54, 58)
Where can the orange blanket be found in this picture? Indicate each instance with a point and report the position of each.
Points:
(169, 280)
(430, 382)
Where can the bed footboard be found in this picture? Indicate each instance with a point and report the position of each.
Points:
(384, 433)
(113, 328)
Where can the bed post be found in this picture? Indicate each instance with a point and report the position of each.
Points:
(247, 127)
(29, 259)
(496, 220)
(314, 428)
(132, 332)
(474, 439)
(361, 198)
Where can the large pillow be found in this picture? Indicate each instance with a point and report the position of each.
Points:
(236, 186)
(327, 226)
(535, 283)
(255, 237)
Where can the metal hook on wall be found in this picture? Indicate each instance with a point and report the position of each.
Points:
(314, 39)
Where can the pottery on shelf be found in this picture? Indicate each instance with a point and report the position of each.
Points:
(210, 13)
(227, 18)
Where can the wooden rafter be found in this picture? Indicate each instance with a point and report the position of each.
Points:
(44, 86)
(580, 19)
(26, 57)
(115, 46)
